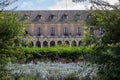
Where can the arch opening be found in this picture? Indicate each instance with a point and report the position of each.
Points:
(59, 42)
(45, 44)
(38, 44)
(74, 43)
(52, 43)
(31, 44)
(79, 43)
(67, 43)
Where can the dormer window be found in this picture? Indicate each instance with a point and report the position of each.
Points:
(64, 17)
(39, 16)
(52, 17)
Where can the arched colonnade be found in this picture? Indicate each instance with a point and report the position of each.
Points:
(51, 43)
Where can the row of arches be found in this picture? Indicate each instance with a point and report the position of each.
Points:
(54, 43)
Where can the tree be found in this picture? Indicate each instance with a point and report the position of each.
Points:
(5, 3)
(109, 20)
(107, 16)
(10, 30)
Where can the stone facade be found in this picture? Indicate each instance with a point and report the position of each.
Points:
(50, 28)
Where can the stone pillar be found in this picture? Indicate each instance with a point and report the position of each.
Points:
(77, 43)
(42, 44)
(48, 43)
(55, 43)
(70, 43)
(34, 43)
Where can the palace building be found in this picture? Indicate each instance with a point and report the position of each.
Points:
(54, 27)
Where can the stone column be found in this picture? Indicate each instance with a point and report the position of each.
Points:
(77, 43)
(42, 44)
(34, 43)
(55, 43)
(48, 43)
(70, 43)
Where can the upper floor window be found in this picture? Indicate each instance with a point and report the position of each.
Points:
(65, 31)
(52, 31)
(64, 17)
(39, 31)
(52, 17)
(38, 17)
(78, 31)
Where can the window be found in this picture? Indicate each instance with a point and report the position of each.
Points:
(101, 31)
(78, 31)
(52, 17)
(38, 17)
(39, 32)
(66, 31)
(52, 31)
(64, 17)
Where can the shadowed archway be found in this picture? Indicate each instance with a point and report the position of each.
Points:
(79, 43)
(38, 44)
(59, 43)
(74, 43)
(45, 44)
(67, 43)
(52, 43)
(31, 44)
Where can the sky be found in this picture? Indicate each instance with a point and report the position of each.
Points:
(51, 5)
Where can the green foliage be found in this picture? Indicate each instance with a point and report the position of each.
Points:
(109, 20)
(107, 53)
(10, 30)
(108, 58)
(88, 37)
(62, 52)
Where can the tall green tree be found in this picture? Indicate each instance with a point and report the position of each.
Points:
(10, 30)
(107, 16)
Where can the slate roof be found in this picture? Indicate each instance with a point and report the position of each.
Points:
(53, 15)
